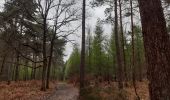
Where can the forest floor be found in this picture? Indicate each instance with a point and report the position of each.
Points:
(30, 90)
(105, 91)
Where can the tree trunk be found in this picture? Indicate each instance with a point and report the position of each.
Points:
(133, 53)
(157, 48)
(139, 64)
(119, 63)
(9, 74)
(2, 66)
(17, 68)
(26, 71)
(89, 56)
(82, 63)
(123, 58)
(44, 72)
(49, 62)
(34, 67)
(10, 66)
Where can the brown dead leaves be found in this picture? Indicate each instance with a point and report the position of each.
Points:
(24, 90)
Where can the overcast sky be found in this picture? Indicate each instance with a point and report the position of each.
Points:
(1, 4)
(95, 13)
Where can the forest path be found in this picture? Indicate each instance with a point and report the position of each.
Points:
(64, 91)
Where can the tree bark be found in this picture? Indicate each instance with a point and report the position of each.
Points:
(34, 66)
(123, 57)
(89, 56)
(118, 55)
(9, 74)
(133, 52)
(157, 48)
(49, 61)
(17, 68)
(26, 71)
(44, 72)
(82, 63)
(2, 66)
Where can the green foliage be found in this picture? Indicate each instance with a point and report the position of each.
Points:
(97, 50)
(73, 63)
(90, 93)
(57, 72)
(101, 57)
(112, 52)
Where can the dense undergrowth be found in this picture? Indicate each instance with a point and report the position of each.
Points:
(111, 92)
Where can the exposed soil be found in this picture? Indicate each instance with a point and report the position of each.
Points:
(64, 92)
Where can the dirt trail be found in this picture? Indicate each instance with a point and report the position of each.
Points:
(64, 92)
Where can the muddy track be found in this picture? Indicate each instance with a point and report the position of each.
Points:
(64, 92)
